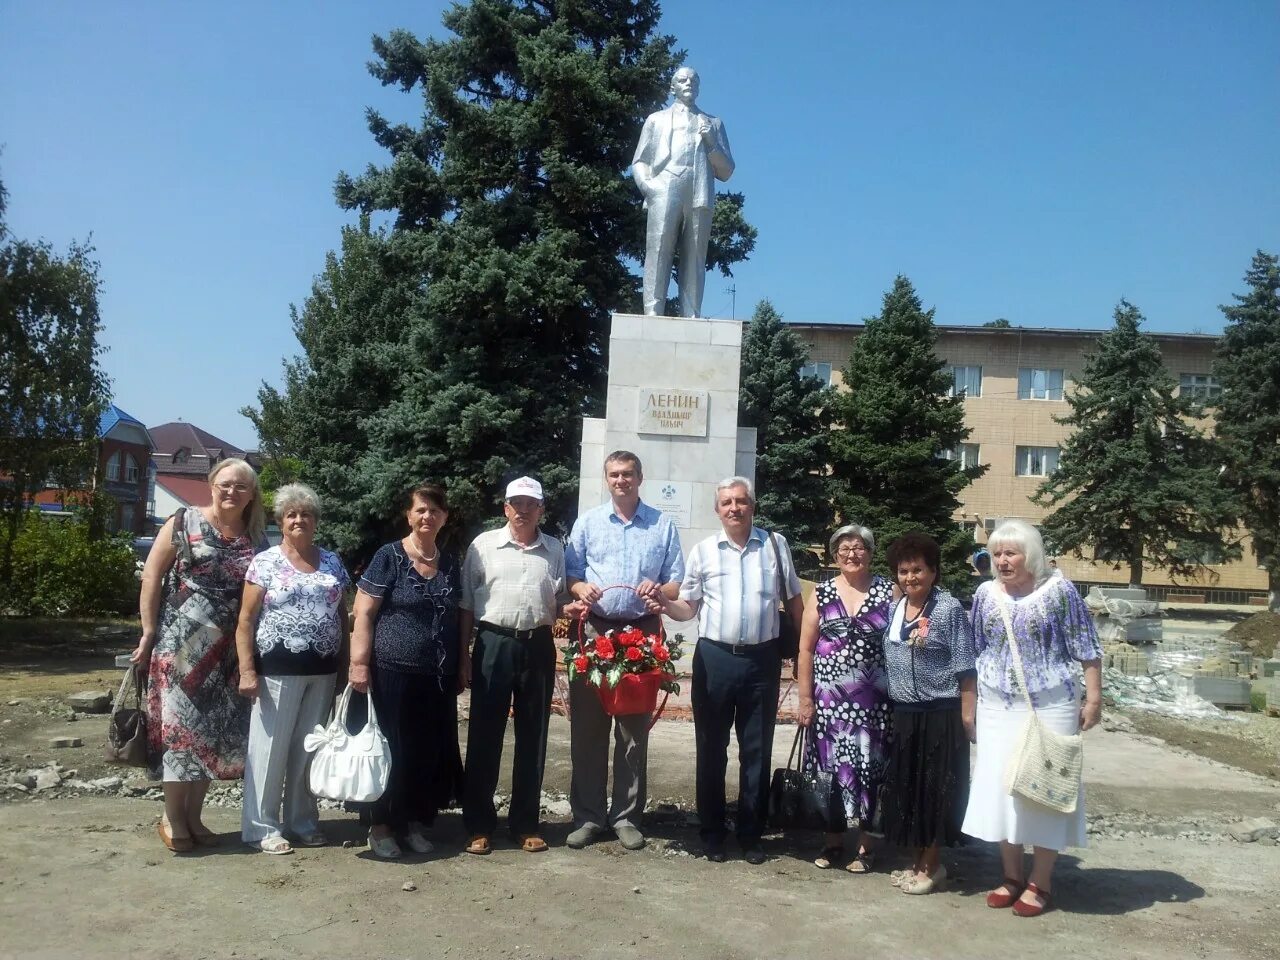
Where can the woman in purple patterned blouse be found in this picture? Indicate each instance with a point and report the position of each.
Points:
(844, 692)
(1056, 639)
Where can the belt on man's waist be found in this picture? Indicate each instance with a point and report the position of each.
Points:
(516, 634)
(740, 649)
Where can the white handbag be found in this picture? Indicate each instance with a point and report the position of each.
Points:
(348, 766)
(1047, 767)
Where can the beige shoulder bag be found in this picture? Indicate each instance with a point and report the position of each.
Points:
(1046, 767)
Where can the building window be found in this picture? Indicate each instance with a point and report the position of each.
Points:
(1035, 383)
(130, 469)
(1036, 461)
(113, 466)
(966, 381)
(182, 455)
(820, 371)
(1202, 386)
(967, 454)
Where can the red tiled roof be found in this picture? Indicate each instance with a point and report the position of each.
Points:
(193, 491)
(169, 437)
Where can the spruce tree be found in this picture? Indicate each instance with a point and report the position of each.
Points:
(895, 419)
(792, 422)
(1248, 413)
(1137, 480)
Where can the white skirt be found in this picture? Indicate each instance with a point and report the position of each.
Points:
(993, 814)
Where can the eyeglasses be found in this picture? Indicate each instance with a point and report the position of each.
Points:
(233, 487)
(856, 551)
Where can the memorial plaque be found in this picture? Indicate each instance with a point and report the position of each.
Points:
(671, 412)
(672, 497)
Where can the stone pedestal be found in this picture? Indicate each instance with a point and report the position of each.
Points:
(673, 401)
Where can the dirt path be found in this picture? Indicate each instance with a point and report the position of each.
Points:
(86, 877)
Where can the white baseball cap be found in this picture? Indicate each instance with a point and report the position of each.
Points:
(524, 487)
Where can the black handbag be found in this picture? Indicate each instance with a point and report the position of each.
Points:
(788, 630)
(127, 730)
(800, 799)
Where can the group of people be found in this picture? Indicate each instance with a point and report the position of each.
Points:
(895, 679)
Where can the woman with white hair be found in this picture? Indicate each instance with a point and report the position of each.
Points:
(292, 623)
(191, 584)
(1054, 634)
(844, 691)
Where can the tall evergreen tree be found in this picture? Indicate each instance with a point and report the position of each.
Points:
(895, 420)
(52, 389)
(1248, 414)
(1137, 480)
(790, 414)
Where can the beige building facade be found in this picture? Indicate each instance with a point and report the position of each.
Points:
(1014, 381)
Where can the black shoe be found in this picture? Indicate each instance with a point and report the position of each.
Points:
(753, 854)
(714, 852)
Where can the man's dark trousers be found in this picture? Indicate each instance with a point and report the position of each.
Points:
(517, 675)
(734, 691)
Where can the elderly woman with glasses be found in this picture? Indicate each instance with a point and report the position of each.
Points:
(844, 696)
(292, 623)
(197, 724)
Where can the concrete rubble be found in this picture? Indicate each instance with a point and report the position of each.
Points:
(1188, 675)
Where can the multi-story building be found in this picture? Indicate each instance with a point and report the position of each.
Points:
(184, 456)
(1014, 381)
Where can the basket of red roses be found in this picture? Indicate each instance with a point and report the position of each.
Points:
(627, 667)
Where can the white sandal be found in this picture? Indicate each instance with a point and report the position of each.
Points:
(923, 885)
(276, 846)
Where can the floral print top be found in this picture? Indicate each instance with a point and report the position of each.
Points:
(300, 625)
(1054, 631)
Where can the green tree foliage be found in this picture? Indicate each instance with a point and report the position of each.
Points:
(895, 420)
(999, 323)
(52, 390)
(790, 414)
(513, 234)
(60, 569)
(1137, 480)
(1248, 414)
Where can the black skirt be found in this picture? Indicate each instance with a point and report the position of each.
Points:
(926, 787)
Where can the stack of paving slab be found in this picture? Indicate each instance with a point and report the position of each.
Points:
(1129, 626)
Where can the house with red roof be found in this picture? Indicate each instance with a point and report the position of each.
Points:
(184, 455)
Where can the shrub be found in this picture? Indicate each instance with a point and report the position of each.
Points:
(60, 570)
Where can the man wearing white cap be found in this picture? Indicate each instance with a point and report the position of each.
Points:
(513, 588)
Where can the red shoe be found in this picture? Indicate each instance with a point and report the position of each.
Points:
(1001, 901)
(1024, 909)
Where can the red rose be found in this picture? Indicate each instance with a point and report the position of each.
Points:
(604, 648)
(661, 653)
(630, 637)
(581, 663)
(635, 653)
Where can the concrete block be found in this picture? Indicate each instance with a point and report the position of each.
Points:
(727, 333)
(593, 429)
(639, 364)
(1132, 594)
(1258, 828)
(626, 326)
(697, 367)
(1224, 691)
(705, 460)
(676, 330)
(1270, 668)
(723, 419)
(61, 742)
(90, 701)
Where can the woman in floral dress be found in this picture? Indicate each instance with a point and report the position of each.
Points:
(844, 696)
(197, 723)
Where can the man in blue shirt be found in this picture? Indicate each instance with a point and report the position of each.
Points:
(630, 543)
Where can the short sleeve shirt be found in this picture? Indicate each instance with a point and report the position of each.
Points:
(300, 625)
(417, 626)
(510, 585)
(738, 587)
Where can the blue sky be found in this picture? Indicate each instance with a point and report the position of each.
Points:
(1022, 160)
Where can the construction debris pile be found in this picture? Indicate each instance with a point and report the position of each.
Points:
(1189, 675)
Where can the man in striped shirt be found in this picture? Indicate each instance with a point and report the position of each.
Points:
(734, 583)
